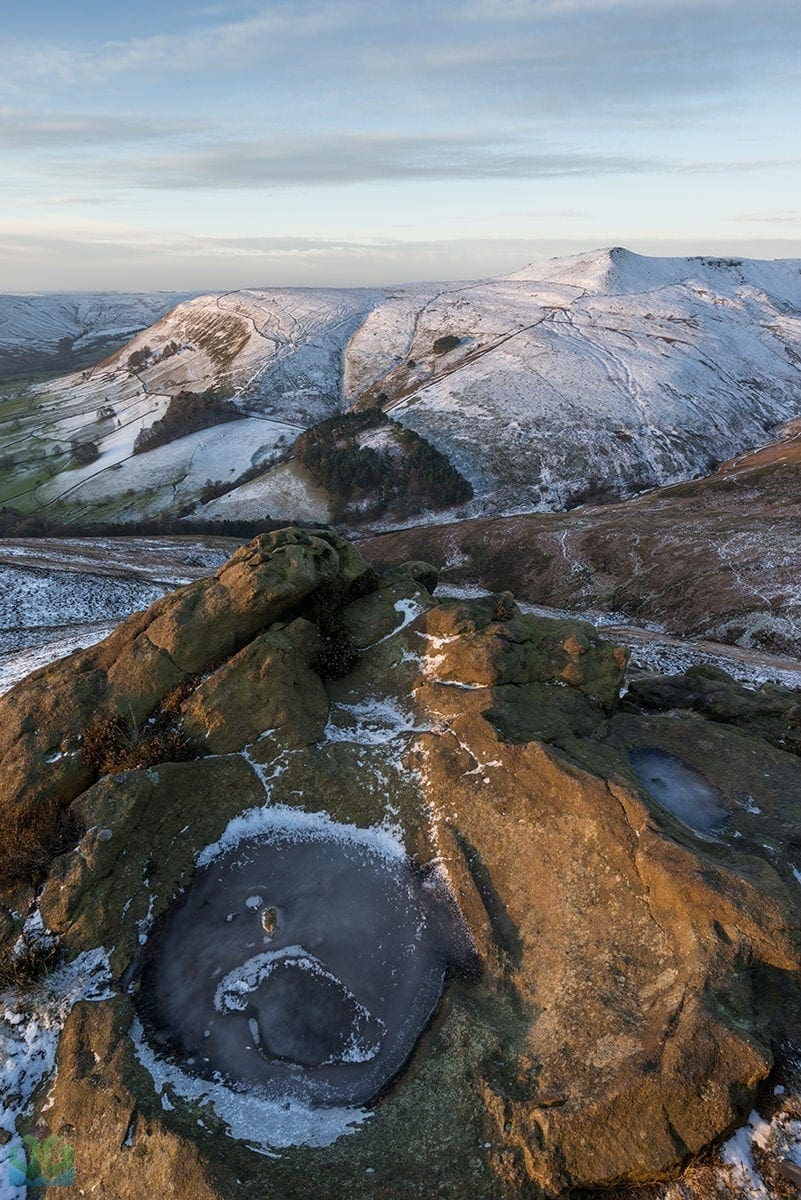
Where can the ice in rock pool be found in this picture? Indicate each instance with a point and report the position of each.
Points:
(322, 982)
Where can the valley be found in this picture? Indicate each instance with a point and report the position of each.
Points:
(585, 379)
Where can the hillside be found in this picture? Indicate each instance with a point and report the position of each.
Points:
(57, 332)
(579, 379)
(595, 376)
(715, 558)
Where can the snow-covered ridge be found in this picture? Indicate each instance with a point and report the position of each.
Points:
(586, 377)
(621, 271)
(40, 321)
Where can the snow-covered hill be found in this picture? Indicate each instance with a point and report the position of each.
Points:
(587, 377)
(594, 375)
(40, 331)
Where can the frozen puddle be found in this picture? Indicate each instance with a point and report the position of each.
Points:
(680, 789)
(300, 969)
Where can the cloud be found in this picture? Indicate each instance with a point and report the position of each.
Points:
(345, 158)
(556, 56)
(785, 217)
(228, 45)
(25, 130)
(349, 158)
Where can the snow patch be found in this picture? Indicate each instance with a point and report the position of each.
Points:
(285, 823)
(30, 1026)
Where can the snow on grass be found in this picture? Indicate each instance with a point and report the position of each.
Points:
(60, 595)
(15, 666)
(30, 599)
(30, 1026)
(672, 657)
(40, 321)
(286, 492)
(169, 475)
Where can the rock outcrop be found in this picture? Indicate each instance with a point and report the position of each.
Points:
(632, 983)
(187, 633)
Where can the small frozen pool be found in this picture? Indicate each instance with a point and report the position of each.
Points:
(680, 789)
(302, 968)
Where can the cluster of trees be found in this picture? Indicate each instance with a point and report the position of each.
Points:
(186, 413)
(403, 478)
(84, 453)
(138, 358)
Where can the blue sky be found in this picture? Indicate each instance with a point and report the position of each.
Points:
(191, 145)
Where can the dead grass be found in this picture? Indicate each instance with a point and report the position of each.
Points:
(32, 963)
(34, 834)
(31, 837)
(114, 744)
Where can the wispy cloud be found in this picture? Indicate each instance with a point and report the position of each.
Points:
(786, 217)
(348, 158)
(36, 130)
(564, 54)
(231, 44)
(339, 159)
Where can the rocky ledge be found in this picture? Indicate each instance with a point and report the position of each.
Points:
(609, 989)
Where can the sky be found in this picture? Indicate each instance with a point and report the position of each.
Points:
(179, 145)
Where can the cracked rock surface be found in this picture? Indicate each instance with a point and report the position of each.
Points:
(633, 980)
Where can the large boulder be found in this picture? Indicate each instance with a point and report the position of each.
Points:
(633, 982)
(268, 686)
(193, 630)
(492, 642)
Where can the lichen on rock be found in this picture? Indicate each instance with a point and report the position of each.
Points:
(631, 980)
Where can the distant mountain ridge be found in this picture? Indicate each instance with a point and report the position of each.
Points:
(618, 270)
(40, 331)
(584, 378)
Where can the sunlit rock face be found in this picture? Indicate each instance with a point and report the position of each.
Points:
(275, 944)
(680, 789)
(306, 968)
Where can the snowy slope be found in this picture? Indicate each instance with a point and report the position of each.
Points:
(580, 378)
(594, 375)
(34, 327)
(56, 595)
(278, 353)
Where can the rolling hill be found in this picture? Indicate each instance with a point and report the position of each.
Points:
(581, 379)
(58, 332)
